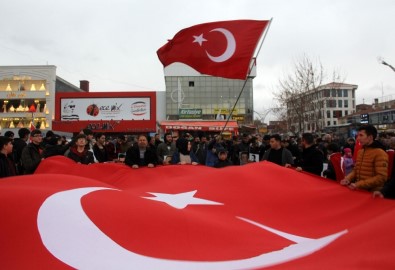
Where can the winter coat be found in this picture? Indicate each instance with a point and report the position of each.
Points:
(31, 158)
(7, 166)
(286, 156)
(85, 157)
(19, 145)
(100, 154)
(312, 160)
(133, 157)
(371, 168)
(163, 150)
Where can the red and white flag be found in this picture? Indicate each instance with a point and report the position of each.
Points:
(257, 216)
(32, 127)
(222, 49)
(357, 147)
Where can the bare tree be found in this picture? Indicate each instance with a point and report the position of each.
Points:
(300, 92)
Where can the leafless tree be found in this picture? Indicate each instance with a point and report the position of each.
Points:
(299, 92)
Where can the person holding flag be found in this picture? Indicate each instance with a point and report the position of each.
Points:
(371, 167)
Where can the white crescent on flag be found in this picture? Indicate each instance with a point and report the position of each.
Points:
(230, 46)
(69, 234)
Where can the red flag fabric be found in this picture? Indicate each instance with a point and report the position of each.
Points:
(222, 49)
(32, 127)
(338, 165)
(357, 147)
(256, 216)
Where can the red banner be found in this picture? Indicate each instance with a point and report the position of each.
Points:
(109, 216)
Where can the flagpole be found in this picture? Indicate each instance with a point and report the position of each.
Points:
(249, 72)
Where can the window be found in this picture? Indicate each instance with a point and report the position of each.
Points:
(327, 93)
(340, 103)
(345, 93)
(337, 114)
(339, 92)
(328, 123)
(331, 103)
(333, 93)
(328, 114)
(191, 84)
(345, 103)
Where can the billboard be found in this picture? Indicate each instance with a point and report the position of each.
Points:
(73, 109)
(123, 112)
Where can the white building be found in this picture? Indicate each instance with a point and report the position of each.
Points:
(27, 96)
(321, 107)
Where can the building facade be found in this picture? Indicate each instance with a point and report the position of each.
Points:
(317, 109)
(27, 96)
(211, 98)
(193, 97)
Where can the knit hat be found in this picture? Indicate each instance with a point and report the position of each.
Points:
(347, 150)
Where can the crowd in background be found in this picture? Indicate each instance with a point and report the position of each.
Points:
(319, 155)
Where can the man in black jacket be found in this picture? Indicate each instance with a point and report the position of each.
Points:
(31, 154)
(312, 159)
(141, 155)
(19, 144)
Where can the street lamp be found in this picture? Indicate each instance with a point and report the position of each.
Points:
(262, 116)
(381, 61)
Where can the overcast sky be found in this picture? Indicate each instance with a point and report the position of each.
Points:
(113, 44)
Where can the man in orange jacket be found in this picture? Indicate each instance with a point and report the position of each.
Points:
(371, 167)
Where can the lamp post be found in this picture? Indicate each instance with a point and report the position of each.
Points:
(262, 116)
(381, 61)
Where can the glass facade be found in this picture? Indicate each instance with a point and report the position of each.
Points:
(215, 96)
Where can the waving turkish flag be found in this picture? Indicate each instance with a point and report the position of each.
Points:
(222, 49)
(257, 216)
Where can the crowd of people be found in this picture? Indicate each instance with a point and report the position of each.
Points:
(325, 156)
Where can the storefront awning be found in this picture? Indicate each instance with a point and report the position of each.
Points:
(200, 125)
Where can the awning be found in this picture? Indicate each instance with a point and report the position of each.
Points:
(200, 125)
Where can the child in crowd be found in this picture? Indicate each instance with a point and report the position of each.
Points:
(348, 162)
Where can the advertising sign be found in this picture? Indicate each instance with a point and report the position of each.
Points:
(190, 113)
(98, 108)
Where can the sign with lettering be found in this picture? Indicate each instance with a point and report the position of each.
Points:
(224, 111)
(190, 113)
(97, 108)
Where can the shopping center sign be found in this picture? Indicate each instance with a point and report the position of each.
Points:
(190, 113)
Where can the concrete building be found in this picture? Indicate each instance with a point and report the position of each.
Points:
(317, 109)
(191, 96)
(27, 96)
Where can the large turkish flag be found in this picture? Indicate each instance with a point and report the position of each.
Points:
(222, 49)
(109, 216)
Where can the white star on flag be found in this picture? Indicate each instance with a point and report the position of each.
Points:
(180, 200)
(199, 39)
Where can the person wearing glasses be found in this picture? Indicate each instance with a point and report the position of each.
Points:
(31, 154)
